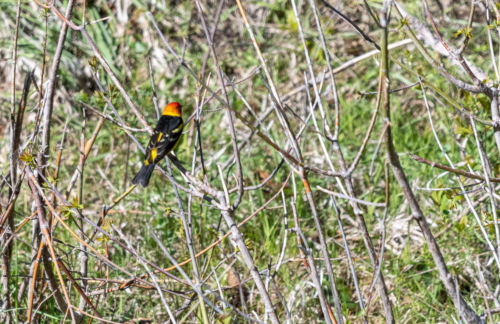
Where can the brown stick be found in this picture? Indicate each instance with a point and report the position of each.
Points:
(49, 94)
(464, 309)
(33, 274)
(449, 169)
(63, 301)
(16, 127)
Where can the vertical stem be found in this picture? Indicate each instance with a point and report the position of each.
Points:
(82, 256)
(63, 301)
(189, 237)
(49, 94)
(382, 289)
(45, 145)
(324, 249)
(238, 239)
(466, 312)
(349, 258)
(491, 189)
(305, 252)
(229, 115)
(33, 275)
(14, 154)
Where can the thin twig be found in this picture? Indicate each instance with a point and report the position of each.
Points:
(359, 201)
(393, 158)
(450, 169)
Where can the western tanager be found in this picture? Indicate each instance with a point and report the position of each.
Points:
(165, 138)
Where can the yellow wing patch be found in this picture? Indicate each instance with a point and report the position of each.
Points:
(159, 137)
(152, 157)
(178, 129)
(153, 154)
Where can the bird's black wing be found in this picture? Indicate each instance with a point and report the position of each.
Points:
(166, 134)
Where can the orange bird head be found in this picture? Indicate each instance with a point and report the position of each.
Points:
(172, 109)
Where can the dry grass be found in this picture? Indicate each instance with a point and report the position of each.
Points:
(127, 40)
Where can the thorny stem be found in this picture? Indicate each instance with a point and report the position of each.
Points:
(382, 289)
(64, 302)
(9, 217)
(50, 91)
(46, 125)
(82, 256)
(228, 112)
(237, 236)
(349, 257)
(109, 236)
(487, 171)
(450, 169)
(273, 92)
(308, 261)
(189, 237)
(478, 87)
(467, 313)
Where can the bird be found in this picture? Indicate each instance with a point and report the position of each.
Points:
(164, 140)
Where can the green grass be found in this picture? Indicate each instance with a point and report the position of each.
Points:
(126, 42)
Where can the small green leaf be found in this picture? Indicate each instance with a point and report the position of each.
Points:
(291, 21)
(485, 102)
(28, 159)
(464, 131)
(460, 226)
(93, 63)
(403, 22)
(467, 32)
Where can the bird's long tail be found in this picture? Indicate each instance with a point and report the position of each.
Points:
(143, 175)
